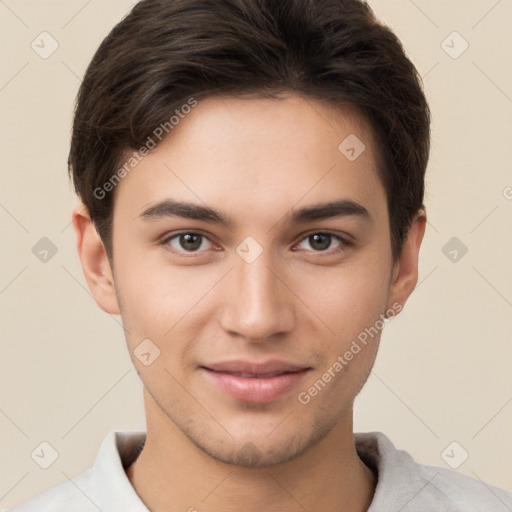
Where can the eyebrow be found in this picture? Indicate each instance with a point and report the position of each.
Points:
(333, 209)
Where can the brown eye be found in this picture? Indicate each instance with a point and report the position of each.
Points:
(321, 242)
(186, 242)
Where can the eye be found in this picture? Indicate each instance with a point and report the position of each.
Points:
(187, 242)
(193, 243)
(321, 242)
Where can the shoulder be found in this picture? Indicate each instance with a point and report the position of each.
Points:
(105, 486)
(462, 492)
(405, 485)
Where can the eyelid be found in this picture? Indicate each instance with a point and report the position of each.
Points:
(341, 235)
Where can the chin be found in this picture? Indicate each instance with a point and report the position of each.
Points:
(253, 455)
(263, 448)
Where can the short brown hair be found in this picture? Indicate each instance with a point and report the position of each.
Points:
(165, 52)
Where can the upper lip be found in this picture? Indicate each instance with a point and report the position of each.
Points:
(272, 367)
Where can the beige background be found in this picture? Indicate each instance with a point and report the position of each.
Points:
(444, 369)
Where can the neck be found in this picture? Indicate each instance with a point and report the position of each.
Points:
(172, 474)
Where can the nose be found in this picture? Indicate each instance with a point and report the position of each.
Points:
(257, 304)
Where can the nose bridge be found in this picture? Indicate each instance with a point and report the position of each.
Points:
(257, 305)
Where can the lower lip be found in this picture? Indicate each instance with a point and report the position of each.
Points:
(255, 389)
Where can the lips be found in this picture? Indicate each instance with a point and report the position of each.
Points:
(252, 381)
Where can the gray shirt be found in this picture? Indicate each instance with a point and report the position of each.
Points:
(402, 486)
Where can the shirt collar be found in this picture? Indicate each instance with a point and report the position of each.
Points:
(114, 489)
(119, 449)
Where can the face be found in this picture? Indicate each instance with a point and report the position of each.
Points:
(249, 307)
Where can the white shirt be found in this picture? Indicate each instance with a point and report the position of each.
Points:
(403, 485)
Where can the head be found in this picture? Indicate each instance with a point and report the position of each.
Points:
(297, 133)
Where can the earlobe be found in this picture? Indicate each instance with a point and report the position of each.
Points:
(94, 260)
(405, 271)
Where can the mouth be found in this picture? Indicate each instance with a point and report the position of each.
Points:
(255, 382)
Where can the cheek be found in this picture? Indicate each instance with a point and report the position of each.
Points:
(157, 299)
(143, 293)
(349, 305)
(345, 300)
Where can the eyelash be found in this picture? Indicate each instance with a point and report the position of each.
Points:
(343, 241)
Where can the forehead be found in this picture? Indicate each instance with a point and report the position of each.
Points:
(257, 153)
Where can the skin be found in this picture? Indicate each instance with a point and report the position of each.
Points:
(254, 159)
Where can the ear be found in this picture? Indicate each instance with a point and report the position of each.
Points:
(94, 260)
(405, 270)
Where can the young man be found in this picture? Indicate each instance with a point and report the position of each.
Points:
(251, 175)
